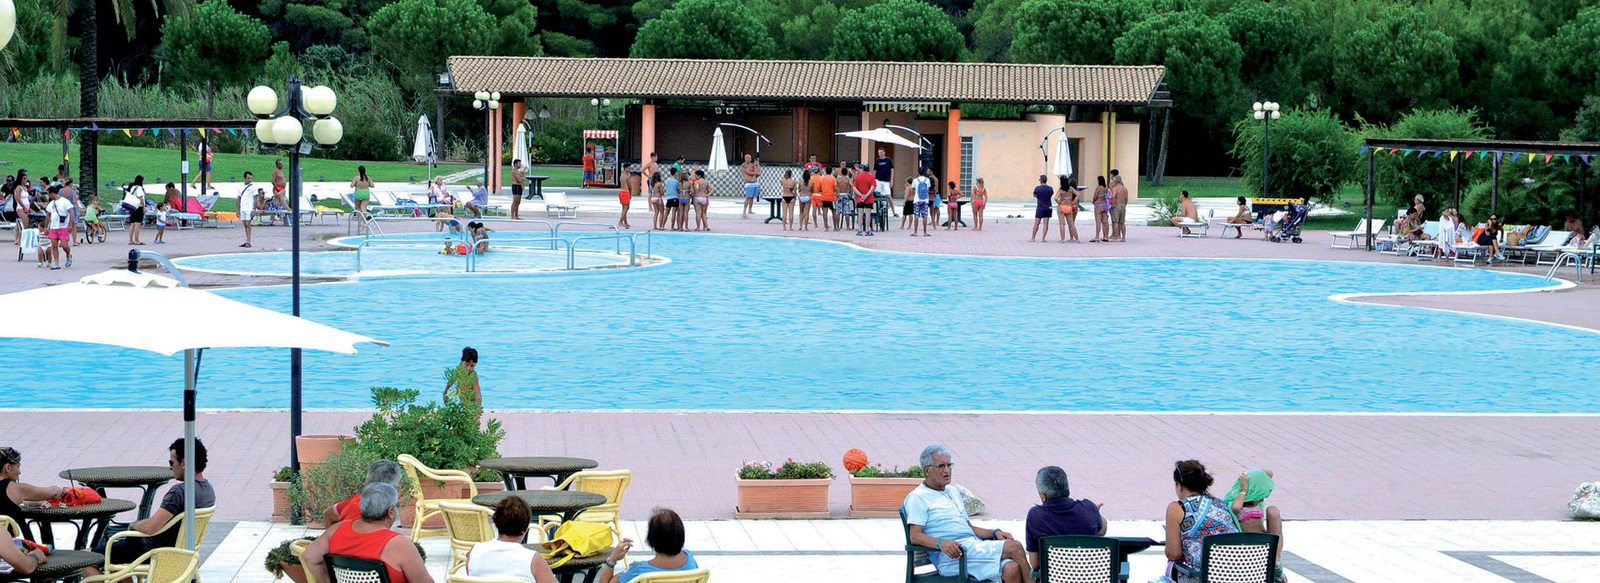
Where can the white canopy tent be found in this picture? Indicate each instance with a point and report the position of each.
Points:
(719, 152)
(246, 326)
(881, 135)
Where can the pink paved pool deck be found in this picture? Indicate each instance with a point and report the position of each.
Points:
(1329, 466)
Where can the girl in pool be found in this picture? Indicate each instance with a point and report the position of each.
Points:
(702, 200)
(788, 185)
(1102, 208)
(480, 236)
(805, 200)
(955, 208)
(980, 197)
(1248, 499)
(1067, 209)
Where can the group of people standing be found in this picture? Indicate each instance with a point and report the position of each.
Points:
(675, 193)
(1110, 203)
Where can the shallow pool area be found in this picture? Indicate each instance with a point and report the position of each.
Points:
(756, 323)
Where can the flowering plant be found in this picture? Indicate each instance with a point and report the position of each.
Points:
(790, 470)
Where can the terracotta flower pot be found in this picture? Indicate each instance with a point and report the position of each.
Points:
(280, 501)
(295, 572)
(879, 497)
(782, 498)
(314, 448)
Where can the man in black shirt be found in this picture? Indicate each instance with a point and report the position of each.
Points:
(883, 170)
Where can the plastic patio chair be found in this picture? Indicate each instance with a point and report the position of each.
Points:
(425, 508)
(346, 569)
(1079, 559)
(609, 483)
(1240, 557)
(462, 577)
(691, 576)
(917, 558)
(202, 519)
(467, 524)
(163, 565)
(298, 549)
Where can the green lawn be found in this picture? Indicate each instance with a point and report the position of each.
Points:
(1223, 187)
(121, 164)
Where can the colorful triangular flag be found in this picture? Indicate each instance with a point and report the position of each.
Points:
(1436, 153)
(1585, 158)
(1408, 153)
(125, 132)
(1484, 153)
(1453, 156)
(1393, 150)
(1547, 158)
(1530, 157)
(94, 127)
(1365, 148)
(1567, 158)
(1497, 156)
(246, 132)
(156, 131)
(139, 132)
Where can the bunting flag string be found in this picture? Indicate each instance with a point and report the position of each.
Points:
(1566, 158)
(1468, 154)
(1365, 148)
(1547, 158)
(1393, 150)
(1530, 157)
(157, 132)
(125, 132)
(1453, 156)
(1585, 158)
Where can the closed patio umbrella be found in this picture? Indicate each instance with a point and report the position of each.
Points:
(719, 152)
(1063, 165)
(422, 149)
(519, 150)
(246, 326)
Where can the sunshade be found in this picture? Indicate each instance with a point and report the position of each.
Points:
(883, 135)
(244, 326)
(422, 150)
(1063, 165)
(519, 149)
(719, 152)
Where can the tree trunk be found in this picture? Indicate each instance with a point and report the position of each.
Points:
(88, 96)
(438, 128)
(1161, 162)
(1150, 148)
(211, 99)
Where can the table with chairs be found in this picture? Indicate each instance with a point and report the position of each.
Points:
(516, 470)
(145, 478)
(90, 518)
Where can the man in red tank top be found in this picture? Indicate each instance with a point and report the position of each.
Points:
(370, 538)
(380, 472)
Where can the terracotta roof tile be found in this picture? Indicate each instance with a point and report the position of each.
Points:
(806, 80)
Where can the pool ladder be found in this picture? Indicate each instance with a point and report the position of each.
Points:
(1578, 259)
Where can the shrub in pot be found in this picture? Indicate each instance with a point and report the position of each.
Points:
(280, 494)
(281, 561)
(337, 478)
(878, 493)
(793, 490)
(447, 436)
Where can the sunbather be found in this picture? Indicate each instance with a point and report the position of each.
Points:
(1409, 228)
(1187, 212)
(1490, 237)
(1239, 220)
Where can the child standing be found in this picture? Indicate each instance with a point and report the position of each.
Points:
(161, 223)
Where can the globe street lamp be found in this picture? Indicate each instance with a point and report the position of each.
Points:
(599, 103)
(284, 129)
(1266, 112)
(487, 102)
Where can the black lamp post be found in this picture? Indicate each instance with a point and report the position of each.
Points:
(1266, 112)
(283, 128)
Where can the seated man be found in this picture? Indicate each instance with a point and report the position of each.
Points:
(380, 472)
(1187, 212)
(370, 538)
(129, 549)
(1058, 514)
(938, 519)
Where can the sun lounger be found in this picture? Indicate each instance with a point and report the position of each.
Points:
(1358, 234)
(1541, 242)
(312, 210)
(1188, 226)
(556, 205)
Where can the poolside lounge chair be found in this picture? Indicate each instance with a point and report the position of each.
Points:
(1080, 559)
(609, 483)
(202, 520)
(556, 205)
(426, 508)
(1240, 557)
(917, 558)
(1552, 245)
(1203, 224)
(1534, 236)
(383, 203)
(467, 524)
(1358, 234)
(163, 565)
(310, 209)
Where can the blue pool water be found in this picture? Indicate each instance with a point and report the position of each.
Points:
(417, 253)
(766, 323)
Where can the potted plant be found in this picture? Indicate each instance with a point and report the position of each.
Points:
(794, 490)
(448, 436)
(339, 477)
(280, 494)
(312, 449)
(281, 561)
(878, 493)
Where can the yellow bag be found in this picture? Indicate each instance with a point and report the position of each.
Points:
(575, 539)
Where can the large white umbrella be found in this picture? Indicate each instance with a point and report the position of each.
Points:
(422, 149)
(883, 135)
(245, 326)
(519, 149)
(719, 152)
(1063, 165)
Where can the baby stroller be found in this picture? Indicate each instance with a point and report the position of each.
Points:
(1289, 228)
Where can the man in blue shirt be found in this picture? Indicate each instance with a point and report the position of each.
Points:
(938, 518)
(1058, 514)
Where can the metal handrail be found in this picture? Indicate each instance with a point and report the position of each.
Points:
(1577, 259)
(584, 224)
(556, 243)
(453, 237)
(633, 246)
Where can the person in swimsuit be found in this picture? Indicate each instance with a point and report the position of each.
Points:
(702, 200)
(789, 195)
(909, 215)
(1102, 212)
(1239, 220)
(955, 207)
(808, 186)
(935, 196)
(658, 208)
(363, 186)
(280, 185)
(980, 197)
(750, 171)
(685, 200)
(517, 180)
(1042, 209)
(669, 194)
(630, 186)
(823, 195)
(461, 382)
(1067, 209)
(1248, 499)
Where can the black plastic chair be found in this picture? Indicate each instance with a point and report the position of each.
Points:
(917, 558)
(347, 569)
(1080, 559)
(1240, 557)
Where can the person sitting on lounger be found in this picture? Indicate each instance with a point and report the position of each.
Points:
(380, 472)
(370, 538)
(1490, 237)
(1187, 213)
(1240, 219)
(1410, 227)
(938, 518)
(1058, 514)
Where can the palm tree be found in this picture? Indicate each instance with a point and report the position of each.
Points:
(89, 63)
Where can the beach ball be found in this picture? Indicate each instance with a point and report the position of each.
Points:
(461, 249)
(855, 459)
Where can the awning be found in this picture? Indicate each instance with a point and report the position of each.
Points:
(601, 134)
(913, 106)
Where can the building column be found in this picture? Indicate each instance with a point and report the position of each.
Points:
(802, 130)
(867, 155)
(519, 111)
(647, 132)
(952, 146)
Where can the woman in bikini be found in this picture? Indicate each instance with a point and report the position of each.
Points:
(657, 207)
(702, 200)
(1102, 206)
(805, 200)
(1239, 220)
(789, 195)
(980, 197)
(955, 207)
(1067, 209)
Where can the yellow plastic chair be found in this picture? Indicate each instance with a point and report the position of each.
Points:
(468, 524)
(425, 508)
(11, 525)
(163, 565)
(298, 549)
(609, 483)
(692, 576)
(202, 519)
(465, 578)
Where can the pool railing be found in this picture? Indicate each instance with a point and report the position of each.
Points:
(556, 243)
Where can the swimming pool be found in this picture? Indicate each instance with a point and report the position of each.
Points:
(749, 323)
(412, 254)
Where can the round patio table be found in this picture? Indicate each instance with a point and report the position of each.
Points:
(90, 518)
(146, 478)
(515, 470)
(588, 567)
(65, 566)
(567, 504)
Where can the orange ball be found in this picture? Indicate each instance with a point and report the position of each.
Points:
(855, 459)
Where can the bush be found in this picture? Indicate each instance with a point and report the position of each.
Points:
(877, 471)
(283, 474)
(365, 138)
(446, 436)
(790, 470)
(1397, 180)
(281, 555)
(1165, 207)
(1313, 154)
(340, 475)
(1545, 202)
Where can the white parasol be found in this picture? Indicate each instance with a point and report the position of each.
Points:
(244, 326)
(1063, 165)
(422, 150)
(883, 135)
(719, 152)
(519, 149)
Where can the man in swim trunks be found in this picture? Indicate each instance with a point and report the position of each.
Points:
(883, 171)
(937, 517)
(632, 186)
(651, 167)
(1119, 208)
(280, 186)
(750, 170)
(516, 187)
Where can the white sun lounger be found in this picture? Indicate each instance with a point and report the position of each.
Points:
(1204, 225)
(1359, 233)
(556, 205)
